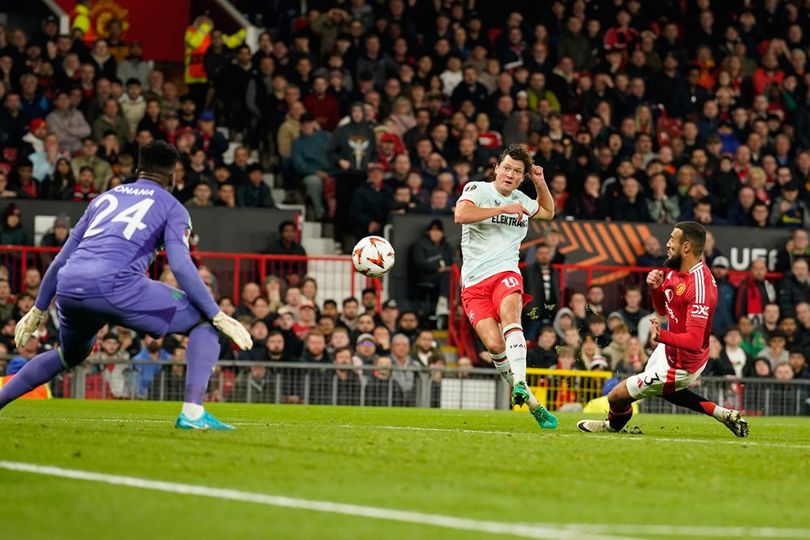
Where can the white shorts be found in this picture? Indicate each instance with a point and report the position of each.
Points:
(658, 378)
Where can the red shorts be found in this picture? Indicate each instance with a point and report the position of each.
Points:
(483, 300)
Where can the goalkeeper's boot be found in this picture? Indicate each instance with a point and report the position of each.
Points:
(206, 421)
(520, 394)
(544, 419)
(734, 421)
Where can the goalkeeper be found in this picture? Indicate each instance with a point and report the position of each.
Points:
(99, 277)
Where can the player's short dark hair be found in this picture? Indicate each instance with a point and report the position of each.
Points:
(518, 152)
(694, 233)
(158, 158)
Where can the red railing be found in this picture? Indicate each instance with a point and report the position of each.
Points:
(335, 275)
(460, 332)
(573, 278)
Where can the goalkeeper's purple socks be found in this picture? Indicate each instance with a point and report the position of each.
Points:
(201, 356)
(37, 371)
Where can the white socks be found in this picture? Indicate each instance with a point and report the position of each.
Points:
(193, 411)
(503, 367)
(721, 413)
(516, 350)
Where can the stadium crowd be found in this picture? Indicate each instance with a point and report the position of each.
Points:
(644, 112)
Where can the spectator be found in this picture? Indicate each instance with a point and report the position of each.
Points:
(350, 149)
(255, 193)
(630, 206)
(133, 106)
(615, 352)
(254, 386)
(632, 312)
(111, 119)
(67, 123)
(134, 66)
(58, 235)
(724, 311)
(349, 313)
(365, 350)
(788, 210)
(754, 292)
(148, 364)
(369, 207)
(311, 163)
(425, 349)
(201, 198)
(382, 390)
(794, 288)
(798, 246)
(652, 256)
(431, 258)
(798, 363)
(11, 231)
(315, 349)
(288, 244)
(85, 190)
(775, 352)
(403, 375)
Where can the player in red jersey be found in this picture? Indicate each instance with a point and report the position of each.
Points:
(687, 296)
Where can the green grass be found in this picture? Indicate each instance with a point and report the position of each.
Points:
(684, 470)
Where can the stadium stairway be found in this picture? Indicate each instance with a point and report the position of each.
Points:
(450, 352)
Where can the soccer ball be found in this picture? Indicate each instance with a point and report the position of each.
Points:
(373, 256)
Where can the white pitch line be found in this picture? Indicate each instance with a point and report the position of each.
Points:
(601, 437)
(694, 530)
(605, 437)
(554, 531)
(387, 514)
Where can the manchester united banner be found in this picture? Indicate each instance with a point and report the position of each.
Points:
(158, 25)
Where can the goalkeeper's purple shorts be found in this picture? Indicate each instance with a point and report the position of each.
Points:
(144, 305)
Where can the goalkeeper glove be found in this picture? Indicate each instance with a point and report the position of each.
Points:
(234, 330)
(27, 326)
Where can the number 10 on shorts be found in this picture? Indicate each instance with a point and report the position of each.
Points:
(510, 282)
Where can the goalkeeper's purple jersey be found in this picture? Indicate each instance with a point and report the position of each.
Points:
(114, 242)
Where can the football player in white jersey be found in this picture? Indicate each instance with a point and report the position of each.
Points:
(495, 218)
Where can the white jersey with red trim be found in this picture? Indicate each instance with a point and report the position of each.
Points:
(688, 300)
(493, 245)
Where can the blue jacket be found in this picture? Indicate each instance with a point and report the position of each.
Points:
(147, 372)
(309, 154)
(724, 312)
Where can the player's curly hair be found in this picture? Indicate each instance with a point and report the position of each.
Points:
(518, 152)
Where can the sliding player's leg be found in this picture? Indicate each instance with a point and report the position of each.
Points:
(730, 418)
(77, 334)
(621, 410)
(159, 310)
(657, 379)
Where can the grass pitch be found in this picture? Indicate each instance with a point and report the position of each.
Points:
(686, 477)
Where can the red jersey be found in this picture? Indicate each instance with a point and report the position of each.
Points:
(688, 300)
